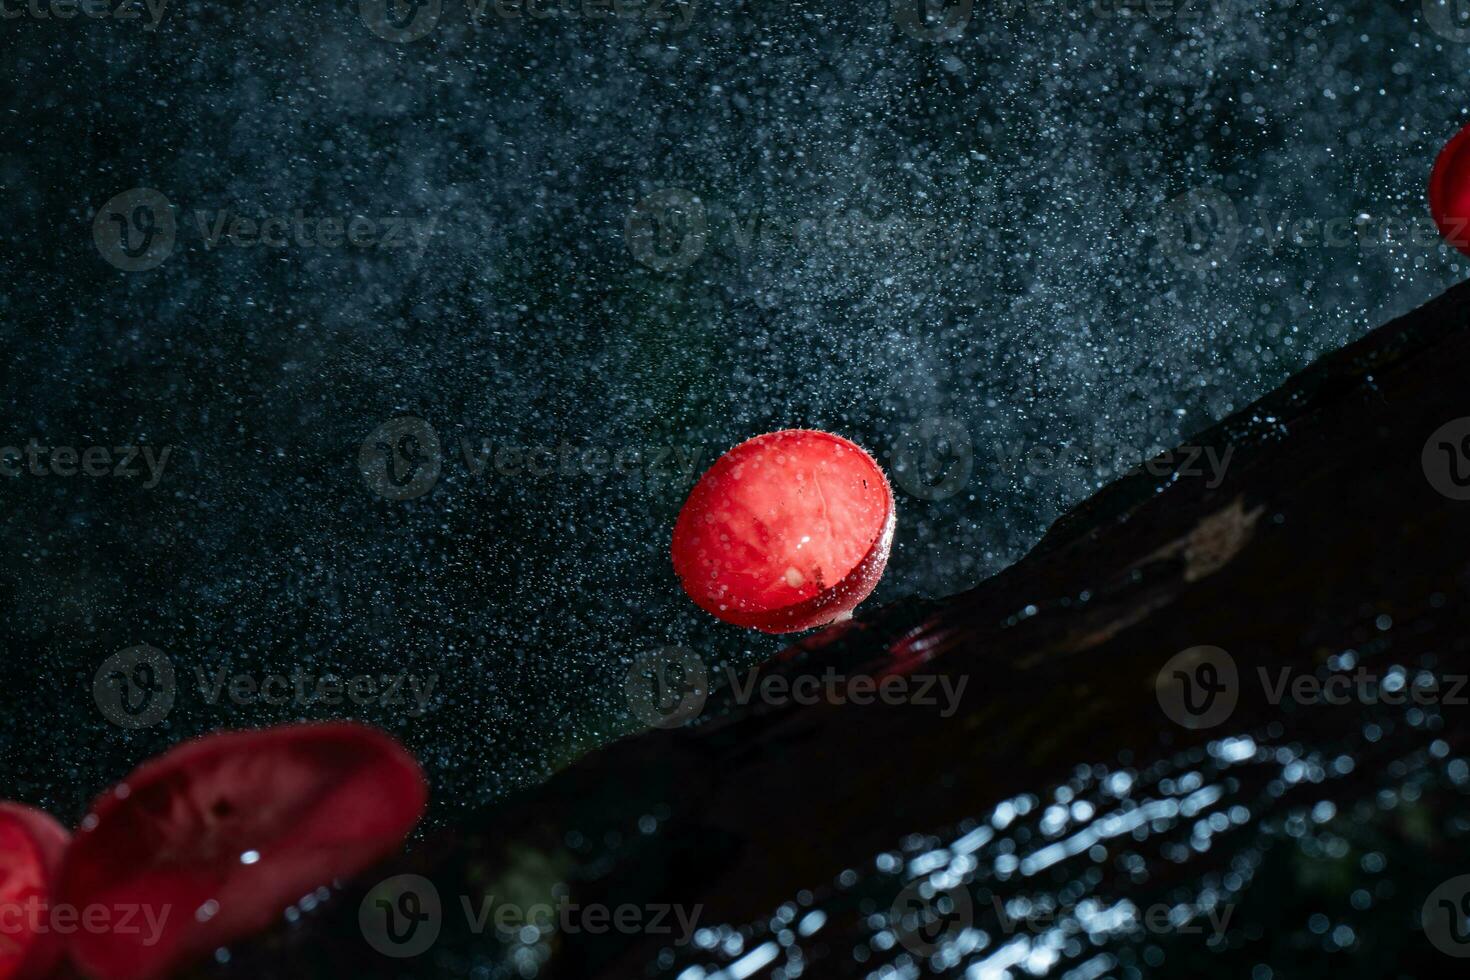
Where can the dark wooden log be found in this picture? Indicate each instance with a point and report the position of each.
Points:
(796, 830)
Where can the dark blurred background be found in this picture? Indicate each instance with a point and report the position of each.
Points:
(1012, 248)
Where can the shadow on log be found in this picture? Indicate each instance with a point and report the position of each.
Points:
(1136, 777)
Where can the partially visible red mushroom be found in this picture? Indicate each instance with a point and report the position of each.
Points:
(1449, 191)
(31, 848)
(215, 838)
(787, 531)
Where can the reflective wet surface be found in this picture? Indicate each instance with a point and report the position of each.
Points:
(1200, 862)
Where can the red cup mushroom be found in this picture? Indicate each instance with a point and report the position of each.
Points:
(1449, 191)
(31, 848)
(787, 531)
(214, 839)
